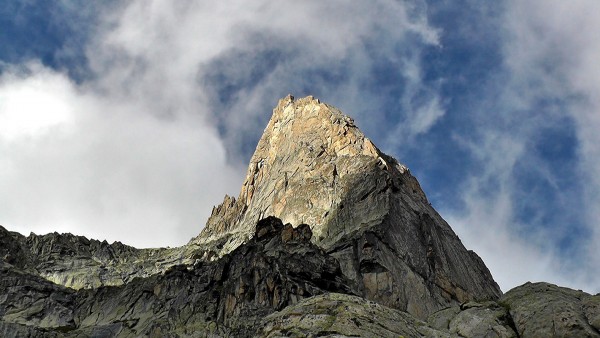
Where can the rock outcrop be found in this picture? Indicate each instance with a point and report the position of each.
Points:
(313, 165)
(342, 315)
(227, 297)
(488, 319)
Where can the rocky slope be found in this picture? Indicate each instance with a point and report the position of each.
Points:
(361, 253)
(278, 284)
(227, 297)
(546, 310)
(78, 262)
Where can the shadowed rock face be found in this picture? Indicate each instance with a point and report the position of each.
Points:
(227, 297)
(313, 165)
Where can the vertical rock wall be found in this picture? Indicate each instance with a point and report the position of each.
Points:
(313, 165)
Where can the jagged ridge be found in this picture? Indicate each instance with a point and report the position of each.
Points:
(81, 263)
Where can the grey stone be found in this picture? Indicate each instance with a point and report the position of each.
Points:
(591, 308)
(547, 310)
(225, 297)
(488, 320)
(81, 263)
(341, 315)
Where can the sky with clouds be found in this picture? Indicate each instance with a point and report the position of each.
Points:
(130, 120)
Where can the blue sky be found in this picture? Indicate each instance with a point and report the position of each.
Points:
(130, 120)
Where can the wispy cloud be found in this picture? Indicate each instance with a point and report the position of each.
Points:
(548, 80)
(515, 250)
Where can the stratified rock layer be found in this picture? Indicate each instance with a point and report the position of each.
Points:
(313, 165)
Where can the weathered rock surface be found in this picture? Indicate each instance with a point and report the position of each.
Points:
(547, 310)
(227, 297)
(472, 319)
(78, 262)
(30, 304)
(313, 165)
(341, 315)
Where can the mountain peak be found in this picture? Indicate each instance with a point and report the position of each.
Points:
(313, 166)
(321, 210)
(306, 150)
(318, 125)
(361, 227)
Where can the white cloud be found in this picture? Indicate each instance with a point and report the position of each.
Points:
(33, 105)
(316, 38)
(420, 104)
(558, 46)
(514, 252)
(77, 161)
(511, 259)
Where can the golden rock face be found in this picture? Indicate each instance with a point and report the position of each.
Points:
(314, 166)
(299, 171)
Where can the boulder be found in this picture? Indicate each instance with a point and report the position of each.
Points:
(547, 310)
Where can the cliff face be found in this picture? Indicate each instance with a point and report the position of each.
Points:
(313, 165)
(328, 237)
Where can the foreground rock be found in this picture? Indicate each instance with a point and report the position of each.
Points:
(488, 319)
(340, 315)
(547, 310)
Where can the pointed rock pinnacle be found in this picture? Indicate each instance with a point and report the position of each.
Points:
(308, 158)
(314, 166)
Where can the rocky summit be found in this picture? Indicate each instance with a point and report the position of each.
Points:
(313, 165)
(329, 237)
